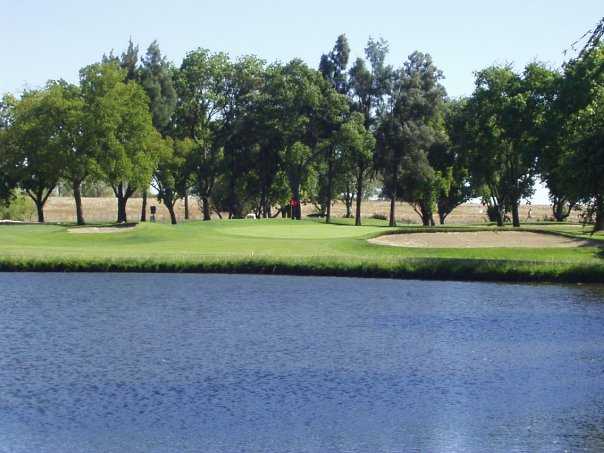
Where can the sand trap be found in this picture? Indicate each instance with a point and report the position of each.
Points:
(479, 239)
(100, 230)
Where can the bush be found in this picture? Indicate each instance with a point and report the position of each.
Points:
(408, 221)
(378, 216)
(20, 208)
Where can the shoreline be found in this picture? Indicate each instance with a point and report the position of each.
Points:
(405, 269)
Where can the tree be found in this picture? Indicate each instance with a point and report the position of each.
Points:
(36, 137)
(554, 145)
(333, 67)
(408, 126)
(171, 176)
(269, 182)
(236, 134)
(123, 130)
(582, 93)
(370, 87)
(420, 184)
(129, 62)
(358, 144)
(74, 137)
(587, 159)
(594, 38)
(301, 111)
(449, 158)
(504, 113)
(8, 172)
(202, 99)
(155, 75)
(156, 79)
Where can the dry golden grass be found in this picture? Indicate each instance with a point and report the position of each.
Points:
(96, 210)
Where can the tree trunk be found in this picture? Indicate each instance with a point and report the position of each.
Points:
(599, 225)
(186, 206)
(441, 217)
(329, 188)
(40, 210)
(561, 208)
(206, 208)
(392, 222)
(144, 208)
(348, 199)
(499, 215)
(516, 214)
(426, 214)
(296, 211)
(39, 200)
(264, 212)
(359, 200)
(170, 207)
(121, 209)
(393, 196)
(77, 195)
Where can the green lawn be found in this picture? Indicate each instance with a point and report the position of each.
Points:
(283, 246)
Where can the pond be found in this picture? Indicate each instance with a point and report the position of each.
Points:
(213, 363)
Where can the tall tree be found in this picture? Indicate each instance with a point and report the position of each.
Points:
(35, 135)
(8, 173)
(170, 179)
(123, 130)
(74, 137)
(408, 126)
(202, 99)
(129, 61)
(370, 87)
(505, 111)
(333, 67)
(594, 38)
(155, 75)
(242, 88)
(582, 93)
(358, 145)
(449, 158)
(156, 78)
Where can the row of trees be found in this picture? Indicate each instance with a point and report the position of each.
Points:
(246, 136)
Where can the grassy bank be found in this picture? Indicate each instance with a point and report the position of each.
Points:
(286, 247)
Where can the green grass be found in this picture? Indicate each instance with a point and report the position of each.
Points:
(287, 247)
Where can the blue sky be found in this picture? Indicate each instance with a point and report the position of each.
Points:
(53, 39)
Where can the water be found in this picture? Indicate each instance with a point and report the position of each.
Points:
(212, 363)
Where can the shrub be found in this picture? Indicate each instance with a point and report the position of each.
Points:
(408, 221)
(19, 207)
(378, 216)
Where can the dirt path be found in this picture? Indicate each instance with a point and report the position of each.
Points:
(479, 239)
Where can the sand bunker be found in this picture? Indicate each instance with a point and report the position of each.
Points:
(100, 230)
(479, 239)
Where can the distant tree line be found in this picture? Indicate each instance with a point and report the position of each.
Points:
(246, 136)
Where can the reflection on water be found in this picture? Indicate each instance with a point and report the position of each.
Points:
(106, 362)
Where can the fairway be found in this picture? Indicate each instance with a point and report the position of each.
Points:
(304, 247)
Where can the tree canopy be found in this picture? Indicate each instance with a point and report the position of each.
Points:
(246, 136)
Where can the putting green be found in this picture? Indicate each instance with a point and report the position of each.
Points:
(296, 231)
